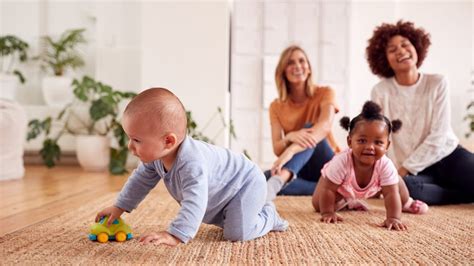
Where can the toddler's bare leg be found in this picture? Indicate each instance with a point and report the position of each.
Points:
(404, 194)
(315, 199)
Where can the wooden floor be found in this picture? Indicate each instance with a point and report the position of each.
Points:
(44, 193)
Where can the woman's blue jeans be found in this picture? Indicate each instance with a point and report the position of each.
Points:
(306, 167)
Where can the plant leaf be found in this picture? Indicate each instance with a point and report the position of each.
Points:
(50, 152)
(20, 76)
(101, 108)
(118, 159)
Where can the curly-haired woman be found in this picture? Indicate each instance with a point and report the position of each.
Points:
(436, 169)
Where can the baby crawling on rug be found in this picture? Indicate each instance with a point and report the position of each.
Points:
(363, 170)
(213, 185)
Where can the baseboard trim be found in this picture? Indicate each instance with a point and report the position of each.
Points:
(34, 158)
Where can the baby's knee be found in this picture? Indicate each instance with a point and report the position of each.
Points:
(233, 236)
(236, 234)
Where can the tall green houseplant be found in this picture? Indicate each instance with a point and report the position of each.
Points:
(102, 103)
(61, 54)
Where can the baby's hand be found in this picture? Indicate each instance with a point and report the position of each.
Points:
(113, 212)
(331, 218)
(395, 224)
(161, 237)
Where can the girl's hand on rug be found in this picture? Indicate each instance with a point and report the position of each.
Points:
(395, 224)
(161, 237)
(331, 218)
(113, 212)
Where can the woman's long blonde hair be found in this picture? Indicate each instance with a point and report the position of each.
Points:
(280, 77)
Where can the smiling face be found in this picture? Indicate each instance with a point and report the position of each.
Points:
(297, 69)
(368, 141)
(401, 54)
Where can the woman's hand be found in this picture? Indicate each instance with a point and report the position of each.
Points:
(159, 238)
(303, 137)
(402, 172)
(284, 158)
(331, 218)
(395, 224)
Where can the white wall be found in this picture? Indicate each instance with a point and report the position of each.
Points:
(364, 17)
(118, 44)
(186, 49)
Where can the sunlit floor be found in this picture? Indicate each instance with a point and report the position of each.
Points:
(43, 193)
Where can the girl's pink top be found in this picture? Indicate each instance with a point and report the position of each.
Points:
(340, 171)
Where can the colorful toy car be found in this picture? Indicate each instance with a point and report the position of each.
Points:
(118, 231)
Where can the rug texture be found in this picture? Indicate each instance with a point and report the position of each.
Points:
(443, 236)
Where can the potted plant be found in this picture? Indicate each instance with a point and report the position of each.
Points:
(193, 131)
(57, 58)
(12, 50)
(93, 118)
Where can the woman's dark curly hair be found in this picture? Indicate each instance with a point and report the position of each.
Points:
(370, 112)
(375, 51)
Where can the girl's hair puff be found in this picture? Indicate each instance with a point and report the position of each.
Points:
(370, 112)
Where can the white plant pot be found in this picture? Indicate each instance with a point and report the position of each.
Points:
(93, 152)
(57, 91)
(8, 86)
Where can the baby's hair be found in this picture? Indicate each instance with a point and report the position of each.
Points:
(370, 112)
(160, 107)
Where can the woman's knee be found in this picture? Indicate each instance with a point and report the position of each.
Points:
(412, 183)
(416, 188)
(323, 149)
